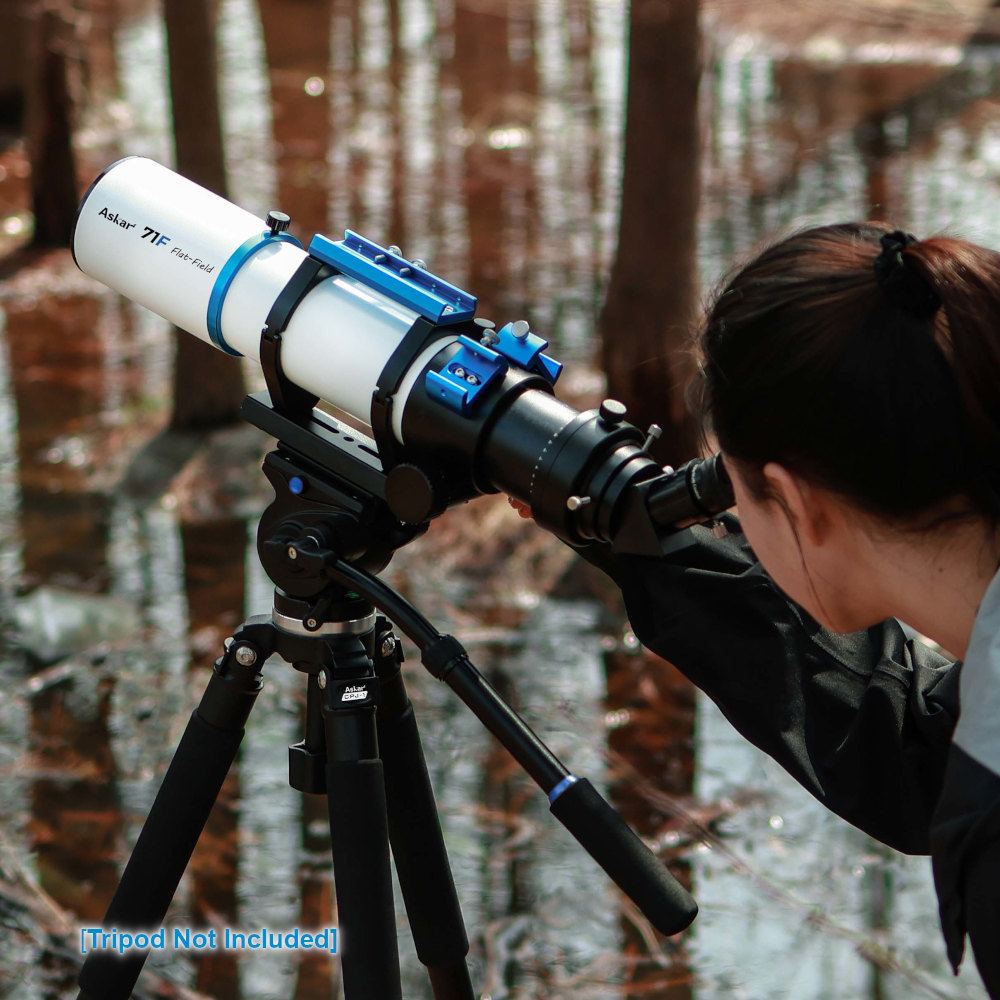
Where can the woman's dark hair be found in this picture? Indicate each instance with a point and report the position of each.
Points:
(882, 387)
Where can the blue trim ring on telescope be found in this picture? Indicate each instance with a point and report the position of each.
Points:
(229, 271)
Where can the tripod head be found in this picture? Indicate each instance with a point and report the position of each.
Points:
(329, 493)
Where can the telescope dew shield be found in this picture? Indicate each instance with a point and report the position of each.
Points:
(214, 270)
(160, 239)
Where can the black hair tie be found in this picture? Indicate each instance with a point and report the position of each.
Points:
(900, 282)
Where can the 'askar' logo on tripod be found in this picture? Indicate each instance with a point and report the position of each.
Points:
(354, 692)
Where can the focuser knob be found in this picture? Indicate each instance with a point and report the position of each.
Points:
(611, 413)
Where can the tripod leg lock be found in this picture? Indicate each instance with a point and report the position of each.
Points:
(236, 680)
(307, 769)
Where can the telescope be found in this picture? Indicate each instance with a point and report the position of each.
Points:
(457, 408)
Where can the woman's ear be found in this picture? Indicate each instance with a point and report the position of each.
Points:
(808, 507)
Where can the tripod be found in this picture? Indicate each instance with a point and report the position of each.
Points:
(322, 542)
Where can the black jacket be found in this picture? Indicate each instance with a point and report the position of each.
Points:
(863, 721)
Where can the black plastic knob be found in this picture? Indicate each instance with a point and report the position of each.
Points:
(611, 412)
(277, 222)
(411, 494)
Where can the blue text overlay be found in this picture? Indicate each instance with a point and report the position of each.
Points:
(213, 939)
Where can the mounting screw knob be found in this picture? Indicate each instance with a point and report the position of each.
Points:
(489, 331)
(246, 656)
(654, 433)
(520, 329)
(611, 412)
(277, 222)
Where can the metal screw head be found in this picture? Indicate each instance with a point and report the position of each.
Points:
(312, 623)
(388, 645)
(321, 681)
(246, 656)
(292, 553)
(395, 250)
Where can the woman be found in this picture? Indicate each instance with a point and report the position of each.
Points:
(852, 380)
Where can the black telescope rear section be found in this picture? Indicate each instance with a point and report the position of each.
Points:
(576, 470)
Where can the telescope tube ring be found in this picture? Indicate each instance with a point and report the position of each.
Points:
(229, 271)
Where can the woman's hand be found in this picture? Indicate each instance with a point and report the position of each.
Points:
(522, 508)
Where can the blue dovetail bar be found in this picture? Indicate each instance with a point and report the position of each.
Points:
(396, 277)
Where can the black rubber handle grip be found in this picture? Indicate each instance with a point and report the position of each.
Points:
(631, 865)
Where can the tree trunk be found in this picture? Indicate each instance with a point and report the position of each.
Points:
(652, 295)
(15, 48)
(645, 327)
(52, 93)
(297, 43)
(208, 385)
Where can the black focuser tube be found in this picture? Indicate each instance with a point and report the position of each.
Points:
(633, 867)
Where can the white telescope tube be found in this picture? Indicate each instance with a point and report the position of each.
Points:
(214, 270)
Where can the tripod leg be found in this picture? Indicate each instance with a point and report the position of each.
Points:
(418, 849)
(360, 842)
(181, 808)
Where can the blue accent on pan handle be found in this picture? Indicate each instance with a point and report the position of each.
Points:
(570, 779)
(610, 841)
(229, 271)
